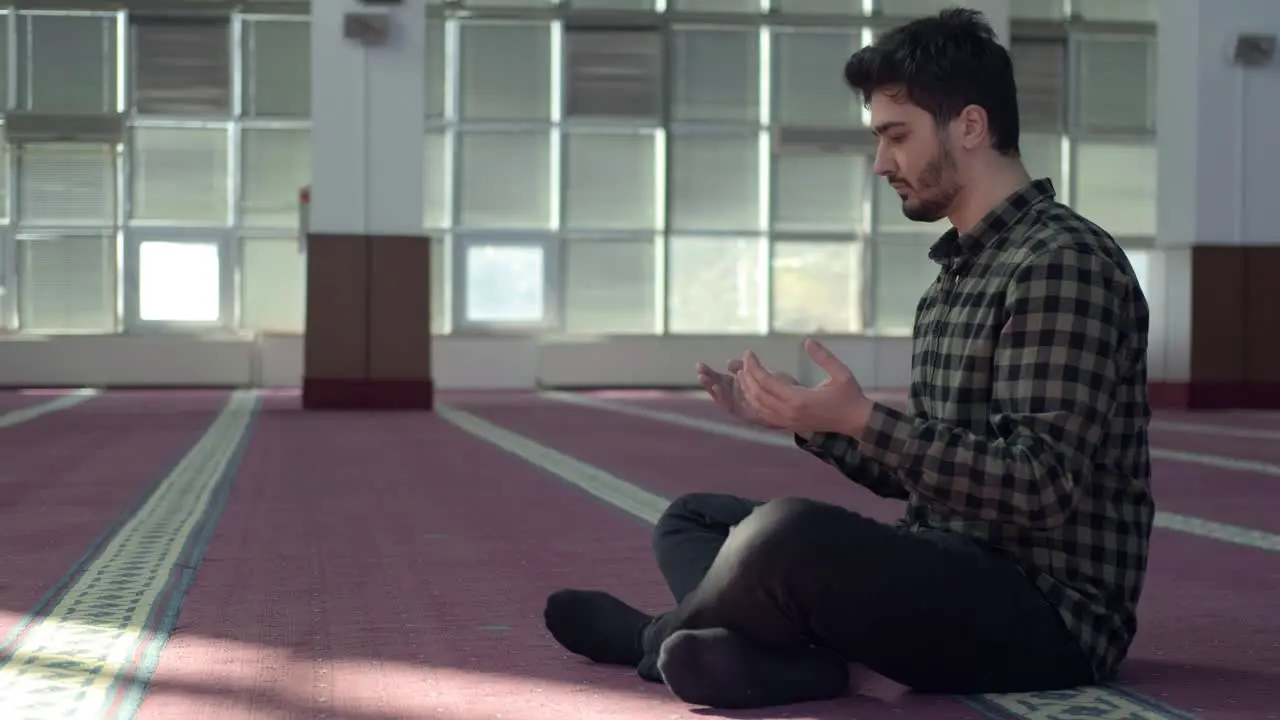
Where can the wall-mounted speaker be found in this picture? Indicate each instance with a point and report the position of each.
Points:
(1254, 50)
(366, 28)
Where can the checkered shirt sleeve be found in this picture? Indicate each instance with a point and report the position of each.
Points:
(1053, 388)
(841, 452)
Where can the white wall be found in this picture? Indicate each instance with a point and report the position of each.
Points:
(460, 363)
(516, 363)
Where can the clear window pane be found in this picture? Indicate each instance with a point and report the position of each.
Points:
(493, 87)
(1116, 80)
(67, 184)
(434, 74)
(505, 283)
(180, 174)
(724, 6)
(276, 164)
(277, 73)
(5, 46)
(714, 182)
(1122, 10)
(1116, 186)
(1038, 10)
(820, 7)
(505, 179)
(1021, 9)
(609, 181)
(4, 175)
(808, 80)
(611, 286)
(817, 286)
(911, 9)
(67, 284)
(819, 192)
(717, 75)
(1040, 72)
(1043, 157)
(182, 67)
(179, 282)
(1140, 261)
(614, 73)
(508, 3)
(614, 4)
(714, 285)
(437, 180)
(901, 272)
(273, 281)
(67, 63)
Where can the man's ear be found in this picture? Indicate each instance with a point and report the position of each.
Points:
(971, 126)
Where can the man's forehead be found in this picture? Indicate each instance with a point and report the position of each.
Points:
(894, 106)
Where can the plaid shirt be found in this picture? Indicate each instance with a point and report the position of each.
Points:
(1027, 419)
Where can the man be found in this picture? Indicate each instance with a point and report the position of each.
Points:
(1023, 457)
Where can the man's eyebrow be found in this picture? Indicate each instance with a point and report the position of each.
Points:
(886, 126)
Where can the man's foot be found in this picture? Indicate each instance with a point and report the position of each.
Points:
(651, 638)
(718, 669)
(596, 625)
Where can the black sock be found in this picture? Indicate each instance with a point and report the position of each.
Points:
(718, 669)
(651, 638)
(596, 625)
(648, 668)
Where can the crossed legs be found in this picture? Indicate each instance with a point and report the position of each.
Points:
(774, 599)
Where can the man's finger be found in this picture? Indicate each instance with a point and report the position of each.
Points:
(761, 400)
(763, 380)
(735, 365)
(827, 360)
(721, 395)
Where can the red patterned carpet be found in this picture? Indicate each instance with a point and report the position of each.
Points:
(69, 479)
(369, 566)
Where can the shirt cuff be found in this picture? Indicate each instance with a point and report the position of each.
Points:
(886, 435)
(820, 442)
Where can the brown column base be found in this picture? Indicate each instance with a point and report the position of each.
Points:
(1235, 331)
(368, 328)
(364, 394)
(1214, 396)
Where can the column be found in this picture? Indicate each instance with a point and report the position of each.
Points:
(1215, 278)
(368, 338)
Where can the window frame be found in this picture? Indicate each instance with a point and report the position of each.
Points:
(8, 278)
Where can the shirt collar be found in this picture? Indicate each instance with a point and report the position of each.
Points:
(954, 244)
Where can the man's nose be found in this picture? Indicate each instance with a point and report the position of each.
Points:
(883, 166)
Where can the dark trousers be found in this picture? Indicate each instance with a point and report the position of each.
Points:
(931, 610)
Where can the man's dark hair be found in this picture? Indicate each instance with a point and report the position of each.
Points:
(943, 63)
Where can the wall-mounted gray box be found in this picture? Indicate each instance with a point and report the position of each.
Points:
(367, 28)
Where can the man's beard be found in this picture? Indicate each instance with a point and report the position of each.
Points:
(934, 191)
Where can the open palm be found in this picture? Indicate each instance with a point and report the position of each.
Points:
(726, 390)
